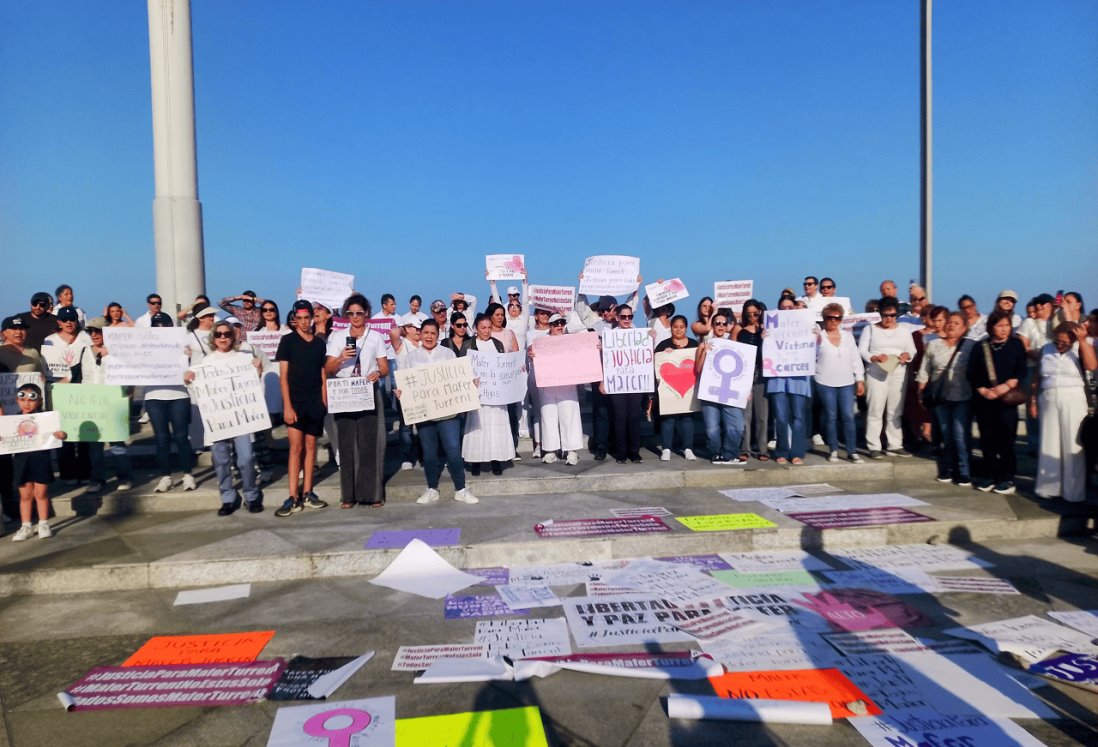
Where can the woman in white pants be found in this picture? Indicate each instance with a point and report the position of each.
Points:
(561, 428)
(886, 348)
(1059, 397)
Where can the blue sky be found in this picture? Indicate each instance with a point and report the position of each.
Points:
(402, 141)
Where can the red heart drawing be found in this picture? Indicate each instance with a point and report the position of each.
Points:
(681, 378)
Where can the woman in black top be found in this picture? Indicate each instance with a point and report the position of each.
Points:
(683, 421)
(459, 340)
(997, 421)
(758, 409)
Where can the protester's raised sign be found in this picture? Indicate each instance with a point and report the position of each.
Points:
(34, 432)
(610, 274)
(789, 347)
(437, 390)
(92, 412)
(627, 361)
(678, 385)
(501, 377)
(669, 291)
(728, 373)
(552, 297)
(505, 266)
(145, 356)
(230, 400)
(326, 286)
(265, 341)
(732, 294)
(350, 394)
(567, 359)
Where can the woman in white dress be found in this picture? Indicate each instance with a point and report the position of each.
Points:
(561, 428)
(487, 429)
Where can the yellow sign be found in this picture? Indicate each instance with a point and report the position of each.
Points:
(725, 522)
(511, 727)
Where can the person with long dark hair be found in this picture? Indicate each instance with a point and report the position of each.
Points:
(757, 412)
(682, 422)
(995, 371)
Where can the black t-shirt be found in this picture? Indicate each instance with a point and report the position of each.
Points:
(747, 337)
(306, 361)
(38, 329)
(669, 344)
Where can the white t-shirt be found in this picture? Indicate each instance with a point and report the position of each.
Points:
(420, 356)
(61, 356)
(389, 352)
(370, 347)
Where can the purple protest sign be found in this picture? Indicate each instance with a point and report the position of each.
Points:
(493, 576)
(465, 606)
(858, 517)
(711, 562)
(172, 685)
(393, 538)
(1073, 669)
(597, 527)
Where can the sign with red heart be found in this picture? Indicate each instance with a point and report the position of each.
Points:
(677, 382)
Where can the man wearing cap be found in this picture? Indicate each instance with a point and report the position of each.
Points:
(62, 349)
(15, 356)
(155, 304)
(41, 323)
(248, 310)
(1006, 301)
(439, 312)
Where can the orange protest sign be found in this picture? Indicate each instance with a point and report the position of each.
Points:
(200, 649)
(806, 685)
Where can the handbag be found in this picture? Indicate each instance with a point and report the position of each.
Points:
(934, 392)
(1013, 397)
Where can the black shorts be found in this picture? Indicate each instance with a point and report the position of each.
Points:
(33, 466)
(310, 417)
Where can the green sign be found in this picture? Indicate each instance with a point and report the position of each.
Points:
(92, 412)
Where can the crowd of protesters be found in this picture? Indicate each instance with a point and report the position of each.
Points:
(924, 375)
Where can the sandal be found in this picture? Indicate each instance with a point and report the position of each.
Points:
(376, 504)
(744, 457)
(347, 504)
(763, 458)
(782, 460)
(798, 460)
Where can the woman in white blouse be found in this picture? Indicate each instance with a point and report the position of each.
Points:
(1059, 396)
(840, 377)
(887, 348)
(561, 429)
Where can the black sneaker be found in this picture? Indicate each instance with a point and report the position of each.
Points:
(227, 509)
(256, 506)
(497, 469)
(876, 455)
(636, 459)
(718, 459)
(310, 500)
(944, 478)
(600, 455)
(985, 486)
(900, 453)
(962, 482)
(289, 506)
(1006, 487)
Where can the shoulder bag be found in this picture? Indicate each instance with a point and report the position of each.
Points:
(1013, 397)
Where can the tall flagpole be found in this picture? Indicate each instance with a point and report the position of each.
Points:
(926, 131)
(177, 213)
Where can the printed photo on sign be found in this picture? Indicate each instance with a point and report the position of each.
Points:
(789, 347)
(627, 361)
(728, 373)
(610, 274)
(677, 385)
(505, 266)
(669, 291)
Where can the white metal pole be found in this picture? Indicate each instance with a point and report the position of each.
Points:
(926, 127)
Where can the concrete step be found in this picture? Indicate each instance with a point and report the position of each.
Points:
(176, 549)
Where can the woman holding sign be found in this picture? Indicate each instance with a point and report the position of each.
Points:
(224, 351)
(791, 400)
(887, 348)
(358, 353)
(487, 429)
(561, 429)
(723, 448)
(683, 422)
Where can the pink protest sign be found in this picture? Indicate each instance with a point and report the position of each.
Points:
(567, 359)
(172, 685)
(552, 297)
(859, 517)
(597, 527)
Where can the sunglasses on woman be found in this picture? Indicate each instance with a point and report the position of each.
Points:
(222, 335)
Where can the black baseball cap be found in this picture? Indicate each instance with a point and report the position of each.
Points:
(14, 322)
(67, 314)
(303, 305)
(41, 297)
(160, 319)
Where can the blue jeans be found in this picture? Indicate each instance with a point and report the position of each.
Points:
(245, 462)
(728, 418)
(838, 405)
(176, 414)
(791, 412)
(954, 421)
(449, 432)
(685, 425)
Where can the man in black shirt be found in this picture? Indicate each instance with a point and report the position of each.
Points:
(40, 322)
(301, 356)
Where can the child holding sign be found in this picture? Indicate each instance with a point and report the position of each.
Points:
(33, 472)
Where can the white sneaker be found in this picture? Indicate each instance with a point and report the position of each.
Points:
(834, 457)
(25, 533)
(430, 495)
(124, 485)
(517, 457)
(164, 485)
(688, 455)
(188, 482)
(144, 419)
(405, 466)
(466, 496)
(818, 440)
(536, 453)
(44, 531)
(573, 458)
(665, 455)
(771, 445)
(549, 458)
(95, 486)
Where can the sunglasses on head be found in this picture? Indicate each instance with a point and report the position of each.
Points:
(27, 395)
(222, 335)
